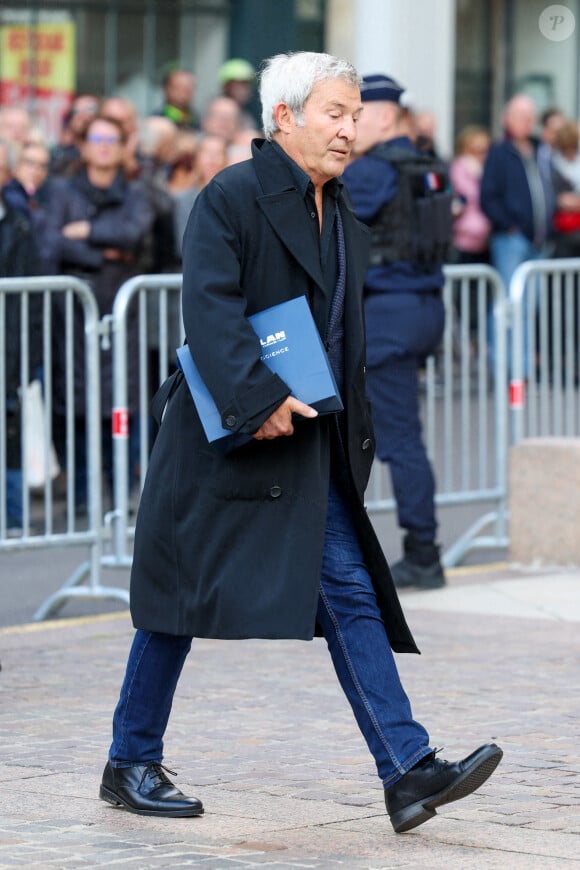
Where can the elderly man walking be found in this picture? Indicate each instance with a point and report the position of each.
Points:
(271, 539)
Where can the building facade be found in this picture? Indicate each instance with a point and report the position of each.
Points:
(50, 49)
(460, 59)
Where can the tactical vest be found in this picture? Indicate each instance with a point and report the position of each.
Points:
(415, 226)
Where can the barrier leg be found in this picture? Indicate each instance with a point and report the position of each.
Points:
(72, 588)
(471, 540)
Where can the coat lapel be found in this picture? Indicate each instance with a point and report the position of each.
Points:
(283, 207)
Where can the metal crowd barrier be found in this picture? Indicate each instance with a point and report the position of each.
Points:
(545, 352)
(49, 530)
(465, 406)
(160, 332)
(465, 411)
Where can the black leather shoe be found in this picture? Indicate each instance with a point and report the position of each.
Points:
(146, 790)
(420, 566)
(434, 782)
(406, 574)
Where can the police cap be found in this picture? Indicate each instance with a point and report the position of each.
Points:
(380, 87)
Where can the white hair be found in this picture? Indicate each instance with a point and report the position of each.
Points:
(289, 78)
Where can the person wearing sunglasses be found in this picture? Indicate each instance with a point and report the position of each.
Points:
(96, 227)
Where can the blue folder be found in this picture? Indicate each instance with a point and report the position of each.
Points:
(291, 347)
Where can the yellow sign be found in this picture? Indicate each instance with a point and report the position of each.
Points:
(41, 57)
(38, 65)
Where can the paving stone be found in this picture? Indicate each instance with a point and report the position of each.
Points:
(262, 734)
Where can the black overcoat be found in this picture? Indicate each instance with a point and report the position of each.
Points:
(229, 545)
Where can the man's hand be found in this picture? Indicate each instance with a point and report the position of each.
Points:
(116, 255)
(77, 230)
(569, 201)
(280, 422)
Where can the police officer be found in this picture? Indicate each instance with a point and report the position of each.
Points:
(403, 195)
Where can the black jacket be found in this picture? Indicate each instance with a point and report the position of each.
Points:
(505, 192)
(120, 217)
(231, 545)
(19, 259)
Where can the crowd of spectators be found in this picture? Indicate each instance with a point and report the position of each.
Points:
(514, 186)
(111, 198)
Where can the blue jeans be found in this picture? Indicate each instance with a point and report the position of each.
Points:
(351, 622)
(508, 251)
(14, 495)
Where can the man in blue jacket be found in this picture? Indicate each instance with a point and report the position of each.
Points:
(403, 196)
(517, 197)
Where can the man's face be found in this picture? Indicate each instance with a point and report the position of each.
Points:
(320, 141)
(83, 109)
(210, 158)
(239, 91)
(376, 124)
(103, 148)
(554, 123)
(520, 118)
(14, 124)
(32, 167)
(222, 118)
(179, 90)
(122, 111)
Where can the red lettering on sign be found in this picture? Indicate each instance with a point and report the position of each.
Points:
(35, 68)
(20, 40)
(16, 40)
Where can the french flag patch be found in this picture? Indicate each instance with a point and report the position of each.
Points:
(432, 181)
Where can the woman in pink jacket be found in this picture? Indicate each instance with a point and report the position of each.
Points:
(471, 228)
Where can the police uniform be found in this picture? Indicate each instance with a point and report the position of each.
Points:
(403, 196)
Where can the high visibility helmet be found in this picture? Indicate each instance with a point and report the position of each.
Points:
(236, 70)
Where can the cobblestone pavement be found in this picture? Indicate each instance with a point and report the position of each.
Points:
(261, 733)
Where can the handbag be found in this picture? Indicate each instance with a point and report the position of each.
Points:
(38, 471)
(567, 221)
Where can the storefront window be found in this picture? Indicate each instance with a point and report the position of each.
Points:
(310, 23)
(473, 73)
(52, 50)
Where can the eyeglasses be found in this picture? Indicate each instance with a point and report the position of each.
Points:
(101, 137)
(36, 164)
(89, 109)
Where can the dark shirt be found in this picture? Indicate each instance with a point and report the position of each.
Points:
(326, 239)
(321, 302)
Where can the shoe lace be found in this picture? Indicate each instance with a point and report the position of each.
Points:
(156, 771)
(432, 757)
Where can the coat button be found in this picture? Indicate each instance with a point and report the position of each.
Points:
(366, 444)
(230, 421)
(276, 491)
